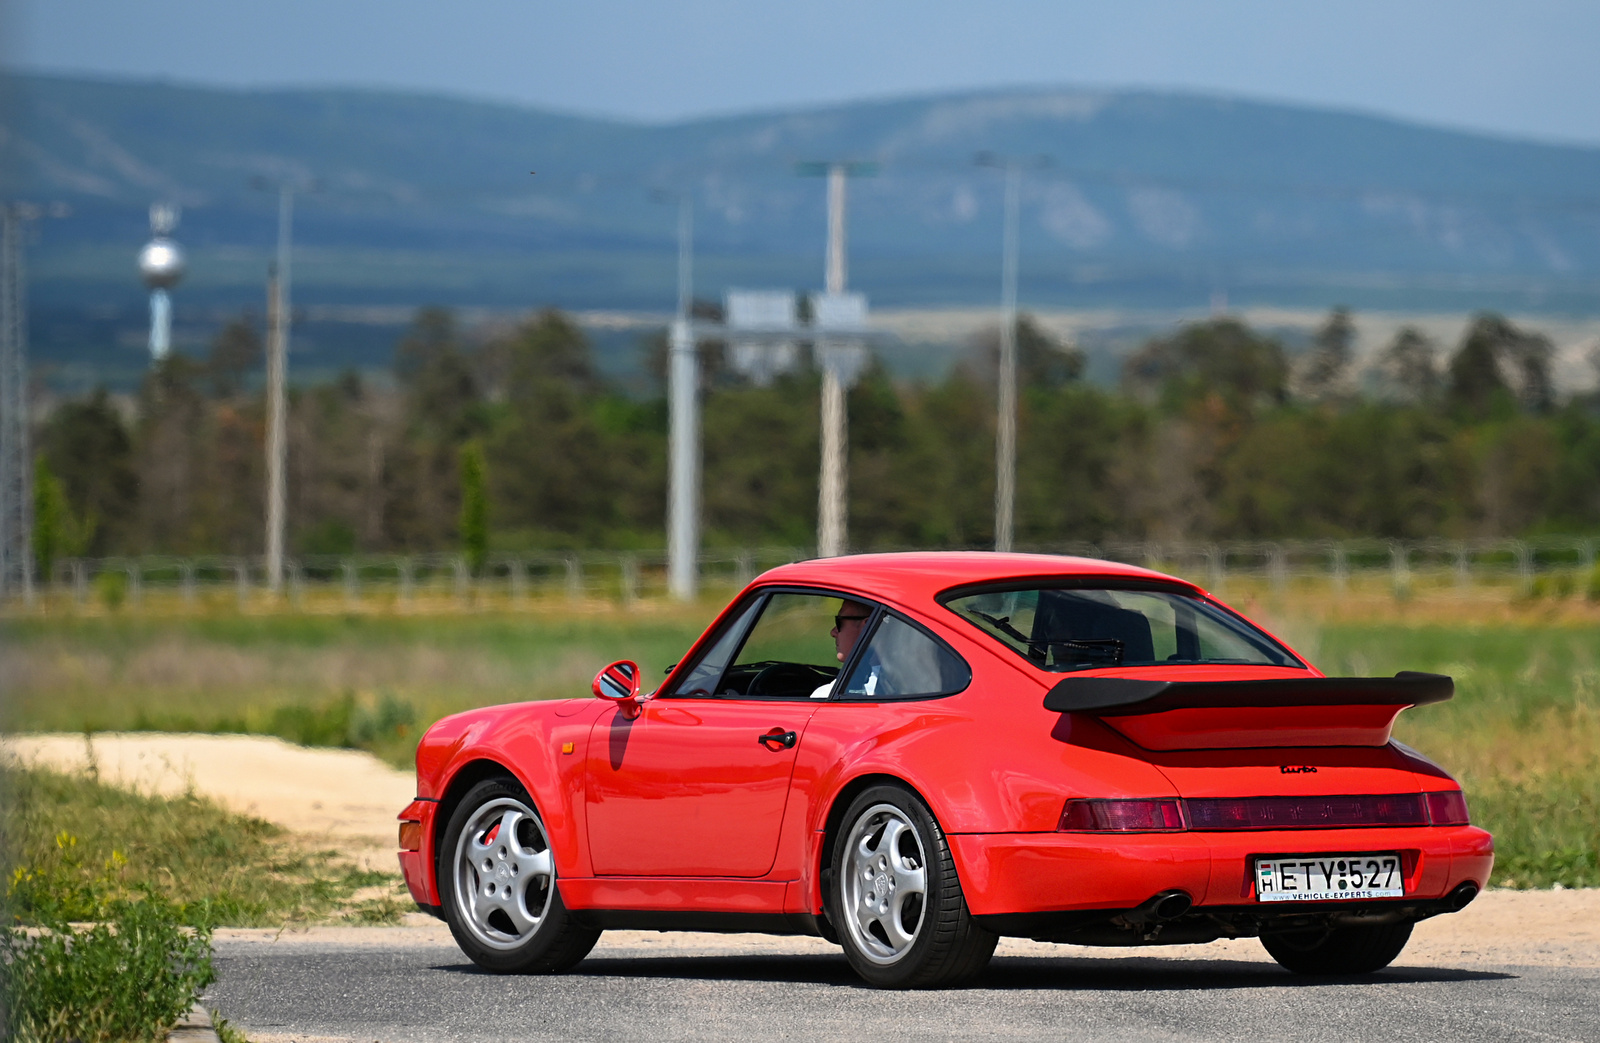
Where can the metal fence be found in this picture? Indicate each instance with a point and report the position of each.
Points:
(353, 580)
(1401, 565)
(1564, 564)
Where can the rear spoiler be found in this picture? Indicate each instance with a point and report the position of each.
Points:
(1131, 696)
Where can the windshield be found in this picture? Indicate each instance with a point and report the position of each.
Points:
(1078, 629)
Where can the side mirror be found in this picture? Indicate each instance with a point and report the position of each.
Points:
(619, 683)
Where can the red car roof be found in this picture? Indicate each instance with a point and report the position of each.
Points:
(920, 575)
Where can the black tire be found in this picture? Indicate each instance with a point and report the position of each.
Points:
(512, 920)
(1339, 950)
(886, 837)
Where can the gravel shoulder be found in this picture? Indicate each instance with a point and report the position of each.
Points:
(1501, 928)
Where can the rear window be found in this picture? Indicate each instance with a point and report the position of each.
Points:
(1066, 629)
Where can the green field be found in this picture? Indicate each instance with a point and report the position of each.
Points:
(369, 681)
(1523, 733)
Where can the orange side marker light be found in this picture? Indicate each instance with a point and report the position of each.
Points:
(567, 747)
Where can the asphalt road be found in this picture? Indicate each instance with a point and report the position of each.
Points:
(432, 994)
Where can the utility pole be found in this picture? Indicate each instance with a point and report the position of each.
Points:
(833, 502)
(683, 392)
(16, 462)
(833, 484)
(1005, 439)
(278, 320)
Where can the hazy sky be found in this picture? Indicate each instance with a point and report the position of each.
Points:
(1527, 68)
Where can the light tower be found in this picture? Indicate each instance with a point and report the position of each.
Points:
(161, 266)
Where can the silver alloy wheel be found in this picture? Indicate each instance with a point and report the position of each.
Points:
(503, 874)
(885, 883)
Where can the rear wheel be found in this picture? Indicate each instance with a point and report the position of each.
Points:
(1339, 950)
(895, 900)
(497, 882)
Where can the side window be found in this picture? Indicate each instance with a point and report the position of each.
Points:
(702, 680)
(790, 652)
(902, 662)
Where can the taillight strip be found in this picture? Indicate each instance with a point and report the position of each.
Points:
(1341, 812)
(1226, 814)
(1159, 815)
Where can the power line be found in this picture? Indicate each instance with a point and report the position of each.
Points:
(279, 319)
(1005, 440)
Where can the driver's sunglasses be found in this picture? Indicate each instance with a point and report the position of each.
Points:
(841, 619)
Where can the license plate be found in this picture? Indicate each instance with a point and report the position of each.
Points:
(1321, 878)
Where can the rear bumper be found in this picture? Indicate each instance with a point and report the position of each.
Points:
(417, 866)
(1008, 874)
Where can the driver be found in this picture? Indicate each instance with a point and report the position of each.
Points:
(853, 615)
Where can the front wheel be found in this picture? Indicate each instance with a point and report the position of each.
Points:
(1338, 950)
(895, 899)
(497, 882)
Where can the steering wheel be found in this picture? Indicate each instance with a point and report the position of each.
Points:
(786, 679)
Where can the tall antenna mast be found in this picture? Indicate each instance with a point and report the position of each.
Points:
(16, 470)
(16, 458)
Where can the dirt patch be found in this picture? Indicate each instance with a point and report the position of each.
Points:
(343, 794)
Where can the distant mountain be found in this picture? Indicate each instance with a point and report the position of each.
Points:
(1155, 199)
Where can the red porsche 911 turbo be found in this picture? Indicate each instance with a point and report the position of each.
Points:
(913, 755)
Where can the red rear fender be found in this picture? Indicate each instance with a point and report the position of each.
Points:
(1008, 776)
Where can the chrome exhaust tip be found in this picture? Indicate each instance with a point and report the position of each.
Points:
(1165, 905)
(1170, 905)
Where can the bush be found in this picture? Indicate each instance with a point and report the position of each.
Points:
(365, 724)
(1556, 585)
(112, 589)
(127, 978)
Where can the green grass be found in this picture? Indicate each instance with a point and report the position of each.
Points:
(363, 681)
(72, 848)
(226, 1030)
(1523, 733)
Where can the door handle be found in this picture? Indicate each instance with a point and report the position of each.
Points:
(786, 740)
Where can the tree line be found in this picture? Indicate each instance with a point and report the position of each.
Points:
(517, 442)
